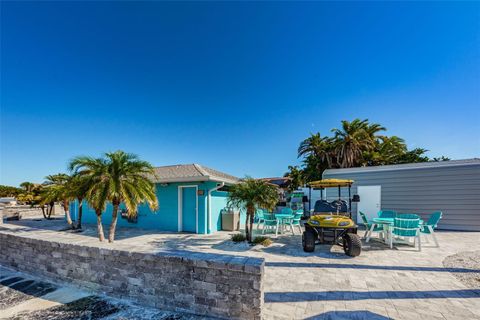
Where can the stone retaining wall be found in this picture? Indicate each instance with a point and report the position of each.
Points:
(202, 283)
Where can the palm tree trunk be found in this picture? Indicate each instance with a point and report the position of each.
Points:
(113, 225)
(101, 236)
(249, 223)
(43, 211)
(50, 209)
(251, 227)
(80, 212)
(67, 213)
(247, 233)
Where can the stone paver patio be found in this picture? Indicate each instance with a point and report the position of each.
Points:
(380, 284)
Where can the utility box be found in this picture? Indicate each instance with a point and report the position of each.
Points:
(230, 219)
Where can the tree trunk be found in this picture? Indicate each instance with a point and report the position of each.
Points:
(67, 213)
(247, 234)
(111, 233)
(252, 216)
(101, 236)
(50, 210)
(43, 211)
(80, 212)
(249, 223)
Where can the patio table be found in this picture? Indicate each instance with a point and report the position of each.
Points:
(386, 223)
(281, 217)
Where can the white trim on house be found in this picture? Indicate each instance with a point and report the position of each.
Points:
(193, 179)
(180, 206)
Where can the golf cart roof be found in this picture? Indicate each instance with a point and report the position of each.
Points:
(330, 183)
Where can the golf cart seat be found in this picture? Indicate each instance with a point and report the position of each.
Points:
(325, 207)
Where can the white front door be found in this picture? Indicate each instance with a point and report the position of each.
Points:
(370, 201)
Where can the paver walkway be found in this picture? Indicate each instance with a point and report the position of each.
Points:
(379, 284)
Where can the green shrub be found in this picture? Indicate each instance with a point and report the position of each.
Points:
(264, 241)
(238, 237)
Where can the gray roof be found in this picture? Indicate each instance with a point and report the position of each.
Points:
(420, 165)
(191, 173)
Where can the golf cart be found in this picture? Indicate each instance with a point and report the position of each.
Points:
(331, 222)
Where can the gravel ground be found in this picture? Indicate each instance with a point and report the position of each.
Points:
(469, 260)
(26, 297)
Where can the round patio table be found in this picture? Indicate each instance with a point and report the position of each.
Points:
(281, 217)
(388, 221)
(385, 222)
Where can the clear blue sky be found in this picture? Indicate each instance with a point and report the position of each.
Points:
(233, 86)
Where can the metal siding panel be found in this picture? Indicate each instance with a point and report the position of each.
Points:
(453, 190)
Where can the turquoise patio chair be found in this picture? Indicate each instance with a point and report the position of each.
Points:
(295, 222)
(270, 223)
(285, 221)
(406, 226)
(387, 214)
(427, 228)
(368, 226)
(287, 211)
(299, 211)
(259, 217)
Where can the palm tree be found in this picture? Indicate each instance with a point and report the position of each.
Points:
(91, 172)
(251, 194)
(317, 146)
(79, 189)
(32, 194)
(353, 139)
(58, 188)
(387, 151)
(118, 177)
(296, 177)
(27, 186)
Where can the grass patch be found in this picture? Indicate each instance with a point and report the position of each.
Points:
(238, 237)
(264, 241)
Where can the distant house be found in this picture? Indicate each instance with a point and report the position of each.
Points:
(191, 198)
(452, 187)
(8, 201)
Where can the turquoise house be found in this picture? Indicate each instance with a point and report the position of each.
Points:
(191, 198)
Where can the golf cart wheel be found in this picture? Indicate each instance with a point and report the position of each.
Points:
(352, 245)
(308, 240)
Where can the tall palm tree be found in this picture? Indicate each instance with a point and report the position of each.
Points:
(387, 151)
(251, 194)
(390, 149)
(118, 178)
(317, 146)
(372, 130)
(353, 139)
(58, 188)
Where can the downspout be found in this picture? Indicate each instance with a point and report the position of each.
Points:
(209, 209)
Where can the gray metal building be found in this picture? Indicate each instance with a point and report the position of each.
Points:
(452, 187)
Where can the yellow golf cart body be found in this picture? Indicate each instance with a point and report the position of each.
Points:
(331, 221)
(331, 227)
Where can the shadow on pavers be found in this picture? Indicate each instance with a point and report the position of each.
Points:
(349, 315)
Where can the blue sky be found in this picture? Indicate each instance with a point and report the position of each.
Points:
(233, 86)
